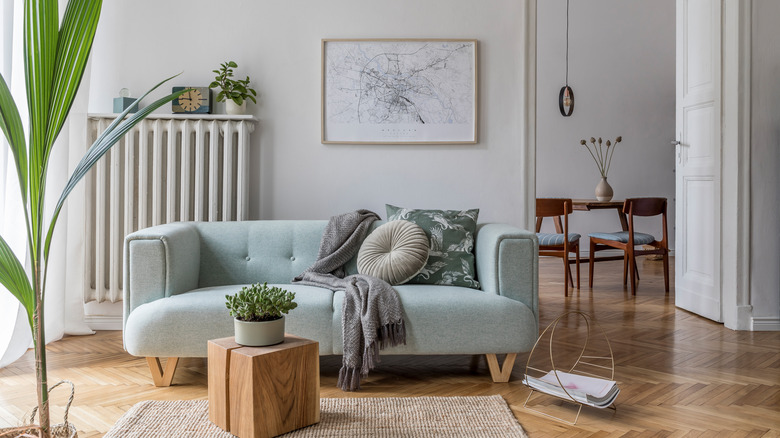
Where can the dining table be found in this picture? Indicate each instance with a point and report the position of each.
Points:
(592, 204)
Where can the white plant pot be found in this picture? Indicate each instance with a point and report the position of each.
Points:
(260, 333)
(233, 109)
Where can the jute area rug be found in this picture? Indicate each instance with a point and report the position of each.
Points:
(410, 417)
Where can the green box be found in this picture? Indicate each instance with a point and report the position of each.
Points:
(121, 104)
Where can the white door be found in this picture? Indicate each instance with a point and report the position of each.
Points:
(698, 193)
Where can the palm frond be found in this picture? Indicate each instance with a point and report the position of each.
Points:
(41, 19)
(14, 278)
(76, 35)
(11, 124)
(110, 137)
(135, 103)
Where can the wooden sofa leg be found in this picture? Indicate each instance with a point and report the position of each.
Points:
(160, 377)
(500, 374)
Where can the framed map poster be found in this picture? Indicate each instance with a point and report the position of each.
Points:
(391, 91)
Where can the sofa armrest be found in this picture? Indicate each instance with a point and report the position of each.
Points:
(507, 261)
(159, 262)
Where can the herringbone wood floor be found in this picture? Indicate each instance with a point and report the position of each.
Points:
(680, 375)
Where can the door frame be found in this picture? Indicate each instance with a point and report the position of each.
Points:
(737, 312)
(528, 128)
(734, 261)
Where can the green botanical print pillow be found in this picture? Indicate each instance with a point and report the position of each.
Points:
(451, 234)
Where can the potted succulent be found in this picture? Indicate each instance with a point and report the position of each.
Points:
(259, 314)
(233, 92)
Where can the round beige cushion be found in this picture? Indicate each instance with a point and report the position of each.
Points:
(394, 252)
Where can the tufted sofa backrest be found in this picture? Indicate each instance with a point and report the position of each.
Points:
(259, 251)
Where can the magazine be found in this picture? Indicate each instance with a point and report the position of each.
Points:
(592, 391)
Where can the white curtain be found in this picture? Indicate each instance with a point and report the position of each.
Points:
(64, 309)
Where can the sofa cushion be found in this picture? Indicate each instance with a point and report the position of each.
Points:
(394, 252)
(455, 320)
(182, 324)
(451, 234)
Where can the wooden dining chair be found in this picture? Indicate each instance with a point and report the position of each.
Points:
(560, 243)
(628, 240)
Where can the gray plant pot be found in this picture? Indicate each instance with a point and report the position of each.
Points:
(259, 334)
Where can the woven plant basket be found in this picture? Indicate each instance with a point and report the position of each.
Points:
(59, 430)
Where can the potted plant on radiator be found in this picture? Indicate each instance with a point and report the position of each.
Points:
(233, 92)
(55, 55)
(259, 314)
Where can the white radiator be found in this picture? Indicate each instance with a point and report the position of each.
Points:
(168, 168)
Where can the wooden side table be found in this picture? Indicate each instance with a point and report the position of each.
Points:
(259, 392)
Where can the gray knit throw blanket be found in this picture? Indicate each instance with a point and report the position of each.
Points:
(372, 316)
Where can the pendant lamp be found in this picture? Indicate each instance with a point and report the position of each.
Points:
(566, 96)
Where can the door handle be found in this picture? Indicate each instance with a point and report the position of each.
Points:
(679, 152)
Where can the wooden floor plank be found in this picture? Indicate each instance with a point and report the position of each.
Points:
(680, 375)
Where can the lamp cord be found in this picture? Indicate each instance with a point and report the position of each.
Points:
(567, 43)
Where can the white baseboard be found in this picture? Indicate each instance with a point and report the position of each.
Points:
(103, 316)
(98, 322)
(765, 323)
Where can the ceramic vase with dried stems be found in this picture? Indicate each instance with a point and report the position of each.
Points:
(602, 153)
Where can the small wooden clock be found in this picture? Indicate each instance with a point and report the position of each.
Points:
(196, 100)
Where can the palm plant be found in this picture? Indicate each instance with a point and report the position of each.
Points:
(55, 57)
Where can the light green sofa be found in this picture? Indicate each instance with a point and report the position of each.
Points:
(176, 277)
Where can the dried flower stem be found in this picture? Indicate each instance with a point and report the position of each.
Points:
(609, 163)
(595, 159)
(602, 154)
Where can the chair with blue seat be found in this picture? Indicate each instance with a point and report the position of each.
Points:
(560, 243)
(627, 241)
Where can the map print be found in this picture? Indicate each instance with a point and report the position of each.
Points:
(399, 90)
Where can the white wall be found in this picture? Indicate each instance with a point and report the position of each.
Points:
(278, 45)
(622, 71)
(764, 163)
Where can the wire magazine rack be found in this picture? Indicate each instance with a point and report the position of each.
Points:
(601, 365)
